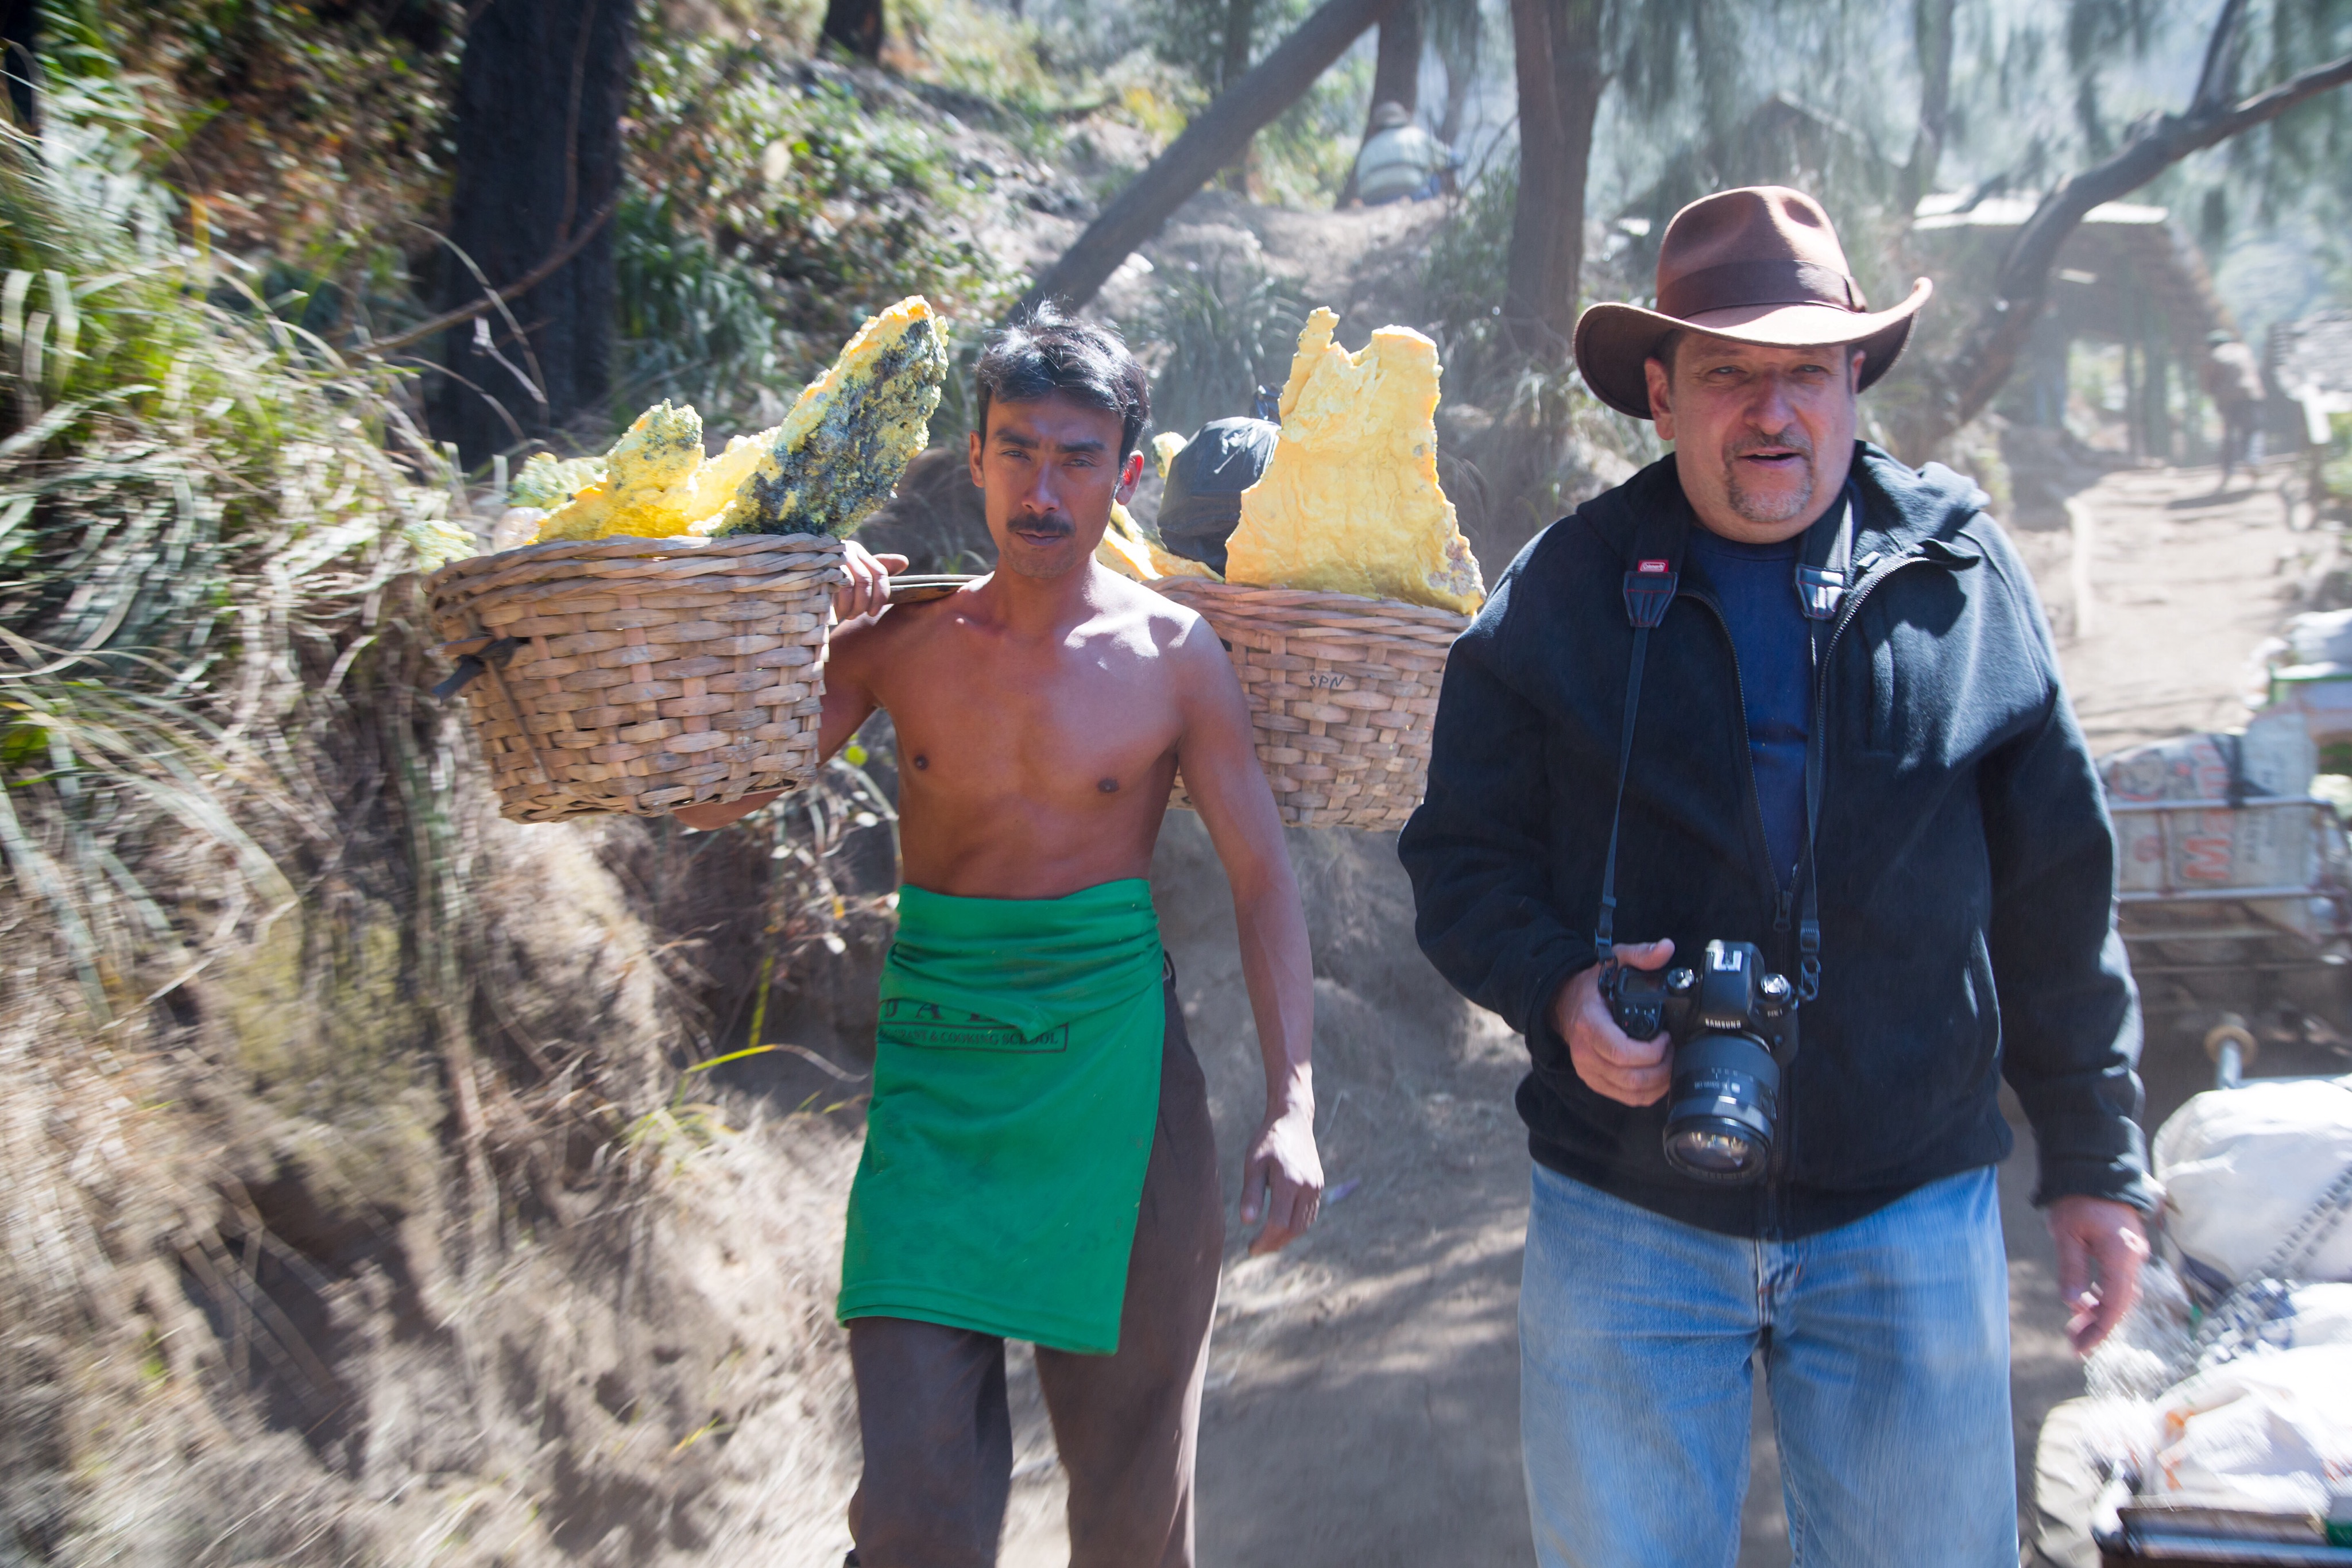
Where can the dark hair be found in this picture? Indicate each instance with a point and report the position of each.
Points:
(1044, 353)
(1664, 349)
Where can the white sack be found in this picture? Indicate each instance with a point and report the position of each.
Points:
(2241, 1167)
(2319, 637)
(2265, 1432)
(2313, 1314)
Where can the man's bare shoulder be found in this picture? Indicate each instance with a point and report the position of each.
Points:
(1197, 666)
(897, 633)
(1178, 637)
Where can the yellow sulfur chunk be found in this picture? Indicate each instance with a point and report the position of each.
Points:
(839, 452)
(1164, 448)
(1123, 550)
(1350, 502)
(547, 482)
(647, 478)
(1126, 549)
(714, 483)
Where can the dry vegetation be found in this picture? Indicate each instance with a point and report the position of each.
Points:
(338, 1109)
(367, 1198)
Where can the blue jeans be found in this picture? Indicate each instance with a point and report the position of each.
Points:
(1886, 1350)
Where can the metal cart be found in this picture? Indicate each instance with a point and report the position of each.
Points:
(2233, 963)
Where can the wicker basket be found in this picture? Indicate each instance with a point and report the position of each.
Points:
(1342, 694)
(640, 676)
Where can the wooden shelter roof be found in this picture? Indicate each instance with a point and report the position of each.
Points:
(2313, 354)
(2127, 275)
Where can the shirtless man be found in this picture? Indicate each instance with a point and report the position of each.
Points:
(1039, 1163)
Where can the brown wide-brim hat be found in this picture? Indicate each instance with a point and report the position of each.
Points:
(1759, 264)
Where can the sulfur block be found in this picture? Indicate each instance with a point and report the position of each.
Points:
(1350, 502)
(648, 482)
(839, 452)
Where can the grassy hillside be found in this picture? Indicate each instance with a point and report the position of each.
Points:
(335, 1102)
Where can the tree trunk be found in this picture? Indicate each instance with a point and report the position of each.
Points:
(539, 94)
(20, 30)
(1241, 29)
(1931, 29)
(1396, 63)
(1396, 73)
(1560, 81)
(856, 26)
(1456, 25)
(1216, 135)
(1241, 36)
(1961, 389)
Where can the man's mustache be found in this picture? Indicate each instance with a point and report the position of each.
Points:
(1053, 525)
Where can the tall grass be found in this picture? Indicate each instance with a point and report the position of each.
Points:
(696, 326)
(201, 508)
(209, 523)
(1223, 330)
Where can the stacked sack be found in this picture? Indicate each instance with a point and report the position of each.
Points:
(2228, 1388)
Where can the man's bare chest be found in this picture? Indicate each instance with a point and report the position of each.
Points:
(1083, 720)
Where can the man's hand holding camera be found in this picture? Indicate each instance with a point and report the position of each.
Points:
(1630, 1071)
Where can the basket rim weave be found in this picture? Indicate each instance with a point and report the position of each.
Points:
(1360, 616)
(622, 557)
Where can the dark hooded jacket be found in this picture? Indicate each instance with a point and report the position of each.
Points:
(1965, 859)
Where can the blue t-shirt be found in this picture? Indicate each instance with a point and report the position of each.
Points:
(1756, 585)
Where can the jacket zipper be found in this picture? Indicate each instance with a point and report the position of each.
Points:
(1784, 1147)
(1846, 613)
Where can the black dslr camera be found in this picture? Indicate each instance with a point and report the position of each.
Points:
(1734, 1028)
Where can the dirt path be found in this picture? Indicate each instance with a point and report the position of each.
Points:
(2183, 583)
(1362, 1400)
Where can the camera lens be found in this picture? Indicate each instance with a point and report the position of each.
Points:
(1720, 1110)
(1704, 1151)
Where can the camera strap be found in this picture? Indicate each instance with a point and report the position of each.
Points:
(1649, 589)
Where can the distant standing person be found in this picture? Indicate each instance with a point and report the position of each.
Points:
(1039, 1163)
(1779, 689)
(1399, 162)
(2235, 382)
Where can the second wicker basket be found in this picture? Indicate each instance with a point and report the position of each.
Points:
(1342, 694)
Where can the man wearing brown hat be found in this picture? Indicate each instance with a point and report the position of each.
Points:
(1757, 806)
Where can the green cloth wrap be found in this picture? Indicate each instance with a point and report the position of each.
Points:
(1016, 1085)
